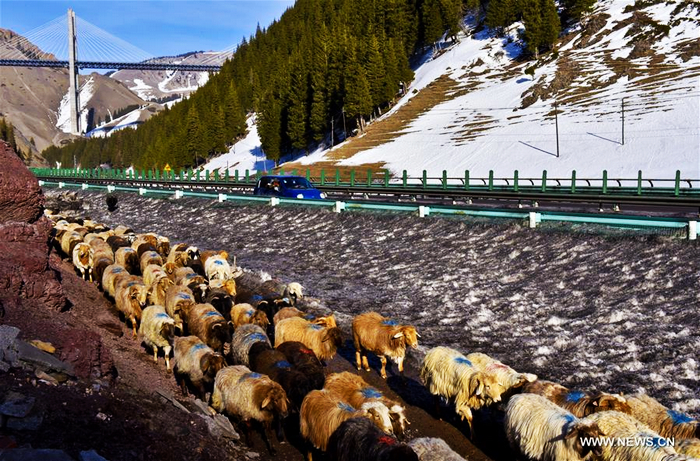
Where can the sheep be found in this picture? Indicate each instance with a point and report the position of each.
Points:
(688, 447)
(216, 267)
(505, 375)
(242, 314)
(274, 364)
(178, 301)
(69, 240)
(122, 230)
(206, 323)
(271, 289)
(294, 291)
(158, 290)
(382, 336)
(149, 257)
(323, 341)
(321, 413)
(289, 312)
(389, 416)
(144, 238)
(449, 374)
(151, 273)
(130, 298)
(667, 422)
(127, 257)
(620, 426)
(229, 285)
(82, 260)
(110, 277)
(581, 404)
(157, 330)
(433, 449)
(197, 363)
(220, 299)
(163, 246)
(249, 396)
(116, 242)
(170, 269)
(102, 256)
(304, 360)
(543, 431)
(244, 337)
(358, 438)
(206, 254)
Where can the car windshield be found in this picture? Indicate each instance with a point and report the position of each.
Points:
(296, 183)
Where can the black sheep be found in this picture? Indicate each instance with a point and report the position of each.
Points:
(359, 438)
(304, 360)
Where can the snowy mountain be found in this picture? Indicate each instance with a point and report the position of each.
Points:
(473, 106)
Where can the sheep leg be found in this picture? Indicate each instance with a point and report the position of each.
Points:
(436, 403)
(167, 362)
(399, 362)
(82, 273)
(132, 319)
(155, 354)
(357, 359)
(383, 359)
(365, 363)
(266, 437)
(90, 272)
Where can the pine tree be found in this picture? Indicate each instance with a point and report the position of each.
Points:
(375, 72)
(502, 13)
(573, 10)
(541, 24)
(269, 128)
(194, 139)
(433, 26)
(358, 102)
(296, 107)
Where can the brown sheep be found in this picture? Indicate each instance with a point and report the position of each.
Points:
(102, 256)
(69, 240)
(178, 301)
(667, 422)
(82, 260)
(242, 314)
(151, 273)
(130, 298)
(387, 414)
(158, 290)
(197, 363)
(127, 258)
(382, 336)
(110, 277)
(580, 404)
(148, 258)
(229, 285)
(206, 323)
(248, 396)
(323, 341)
(144, 238)
(289, 312)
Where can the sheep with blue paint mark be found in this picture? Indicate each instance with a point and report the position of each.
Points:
(323, 341)
(384, 337)
(387, 414)
(447, 373)
(178, 301)
(128, 258)
(289, 312)
(667, 422)
(157, 330)
(543, 431)
(244, 314)
(244, 337)
(688, 447)
(197, 363)
(206, 323)
(632, 439)
(359, 439)
(149, 257)
(111, 276)
(130, 298)
(249, 396)
(580, 403)
(216, 267)
(320, 415)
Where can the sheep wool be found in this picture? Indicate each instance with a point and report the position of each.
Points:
(383, 337)
(243, 339)
(667, 422)
(321, 413)
(323, 341)
(197, 362)
(157, 330)
(433, 449)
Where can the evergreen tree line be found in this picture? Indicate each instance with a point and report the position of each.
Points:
(7, 134)
(326, 65)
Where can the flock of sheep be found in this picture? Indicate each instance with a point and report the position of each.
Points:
(217, 321)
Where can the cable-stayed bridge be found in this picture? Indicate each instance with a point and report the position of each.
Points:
(57, 44)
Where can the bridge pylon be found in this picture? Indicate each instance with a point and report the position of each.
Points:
(74, 93)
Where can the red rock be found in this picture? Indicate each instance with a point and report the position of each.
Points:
(21, 199)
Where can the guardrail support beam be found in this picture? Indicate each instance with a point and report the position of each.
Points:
(692, 230)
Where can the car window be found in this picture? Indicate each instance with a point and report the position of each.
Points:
(297, 183)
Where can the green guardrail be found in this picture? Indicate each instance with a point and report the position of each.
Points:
(383, 179)
(628, 221)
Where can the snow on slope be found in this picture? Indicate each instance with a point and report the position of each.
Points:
(246, 154)
(485, 129)
(86, 93)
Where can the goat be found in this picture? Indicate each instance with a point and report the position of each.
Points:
(382, 336)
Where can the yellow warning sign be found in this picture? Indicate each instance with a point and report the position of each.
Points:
(167, 167)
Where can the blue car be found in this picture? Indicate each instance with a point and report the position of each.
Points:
(287, 186)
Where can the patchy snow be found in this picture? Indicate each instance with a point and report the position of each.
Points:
(87, 90)
(143, 90)
(246, 154)
(486, 129)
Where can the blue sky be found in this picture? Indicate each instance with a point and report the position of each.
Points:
(161, 28)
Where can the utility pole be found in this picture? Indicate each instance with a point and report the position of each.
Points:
(623, 121)
(74, 81)
(345, 130)
(556, 124)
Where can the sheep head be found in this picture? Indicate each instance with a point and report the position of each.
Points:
(408, 334)
(167, 331)
(221, 331)
(170, 268)
(378, 413)
(260, 319)
(484, 387)
(582, 429)
(192, 253)
(328, 321)
(609, 402)
(295, 291)
(211, 363)
(523, 378)
(163, 246)
(273, 399)
(397, 413)
(334, 336)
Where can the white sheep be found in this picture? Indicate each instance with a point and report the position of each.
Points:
(157, 330)
(433, 449)
(504, 374)
(82, 259)
(543, 431)
(216, 267)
